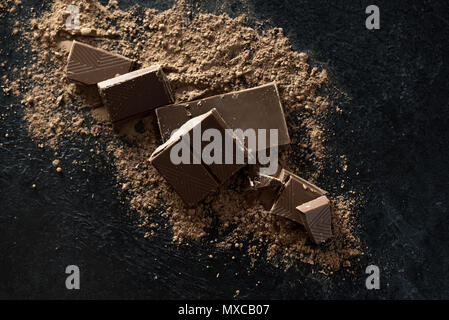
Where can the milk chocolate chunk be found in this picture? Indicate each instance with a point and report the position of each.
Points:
(135, 93)
(316, 215)
(194, 180)
(305, 203)
(90, 65)
(254, 108)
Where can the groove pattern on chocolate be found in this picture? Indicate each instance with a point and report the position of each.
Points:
(90, 65)
(193, 182)
(317, 217)
(303, 202)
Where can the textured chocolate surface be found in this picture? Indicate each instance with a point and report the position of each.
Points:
(135, 93)
(317, 218)
(297, 201)
(90, 65)
(254, 108)
(193, 182)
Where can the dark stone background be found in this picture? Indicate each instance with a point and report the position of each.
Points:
(393, 131)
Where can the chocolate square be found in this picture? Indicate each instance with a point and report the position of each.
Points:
(254, 108)
(90, 65)
(135, 93)
(193, 182)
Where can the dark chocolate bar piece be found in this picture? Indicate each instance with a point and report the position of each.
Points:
(305, 203)
(217, 165)
(255, 108)
(194, 181)
(316, 217)
(135, 93)
(90, 65)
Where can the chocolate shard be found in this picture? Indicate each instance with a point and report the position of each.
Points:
(297, 192)
(135, 93)
(90, 65)
(317, 218)
(265, 189)
(264, 181)
(254, 108)
(194, 180)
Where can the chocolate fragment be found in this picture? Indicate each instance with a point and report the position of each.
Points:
(305, 203)
(194, 181)
(316, 215)
(255, 108)
(90, 65)
(135, 93)
(264, 189)
(221, 169)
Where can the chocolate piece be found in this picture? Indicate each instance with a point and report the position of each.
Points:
(255, 108)
(90, 65)
(135, 93)
(316, 217)
(193, 181)
(220, 169)
(265, 189)
(298, 200)
(264, 181)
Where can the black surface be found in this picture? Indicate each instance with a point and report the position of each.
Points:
(393, 131)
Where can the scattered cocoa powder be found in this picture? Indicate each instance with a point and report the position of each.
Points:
(203, 54)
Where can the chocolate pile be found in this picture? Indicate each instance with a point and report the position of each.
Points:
(129, 94)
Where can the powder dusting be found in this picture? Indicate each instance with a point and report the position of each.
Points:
(202, 54)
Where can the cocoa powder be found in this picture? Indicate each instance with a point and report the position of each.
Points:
(203, 54)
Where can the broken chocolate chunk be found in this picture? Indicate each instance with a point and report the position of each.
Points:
(188, 173)
(90, 65)
(255, 108)
(297, 200)
(135, 93)
(316, 217)
(264, 189)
